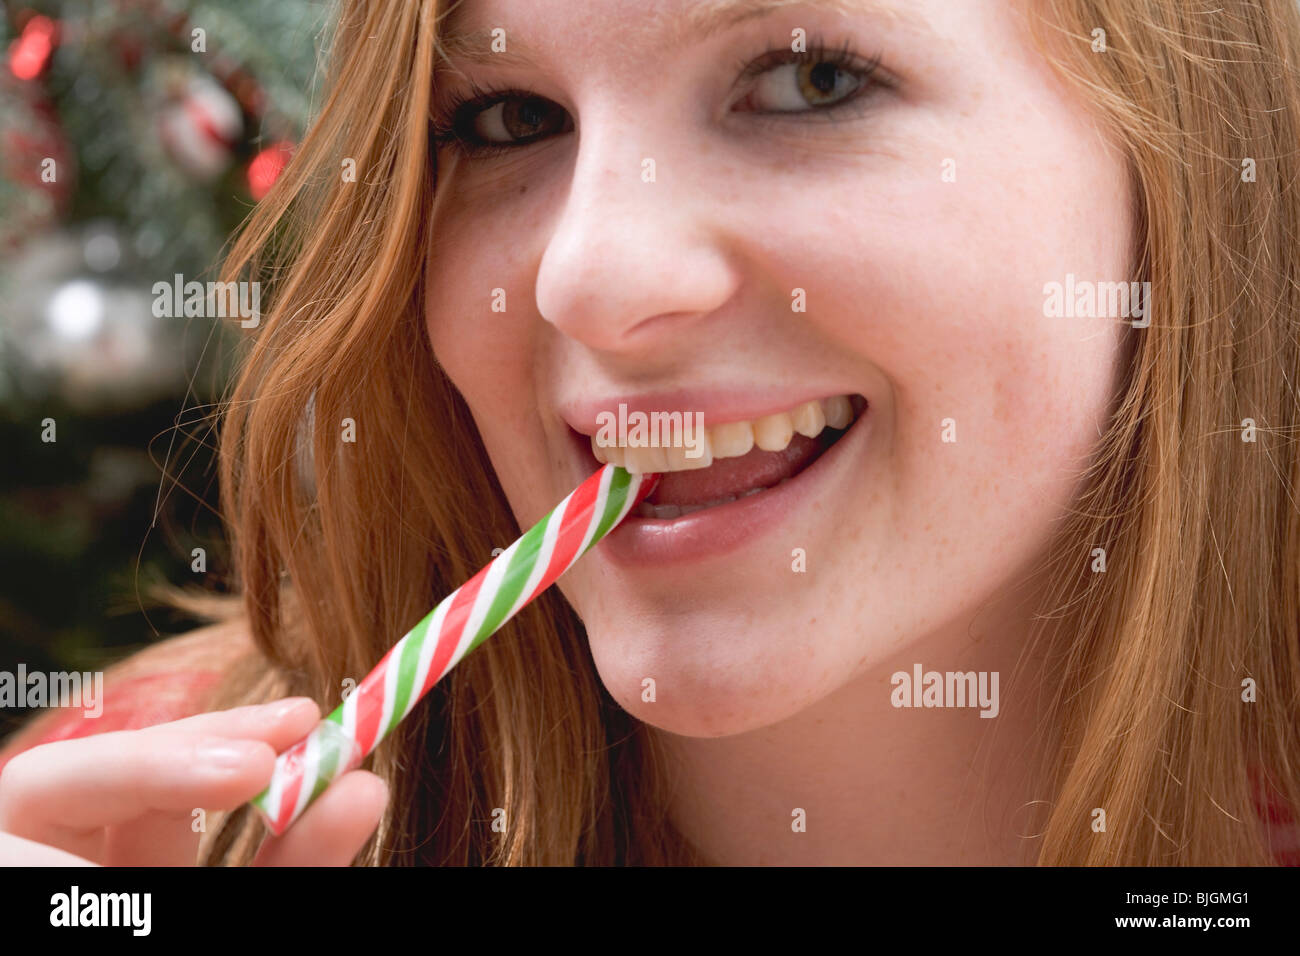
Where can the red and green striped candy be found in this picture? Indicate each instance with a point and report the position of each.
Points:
(461, 622)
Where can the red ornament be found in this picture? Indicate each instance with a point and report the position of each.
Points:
(200, 127)
(130, 49)
(30, 54)
(266, 167)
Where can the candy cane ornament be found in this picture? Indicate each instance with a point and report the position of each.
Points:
(461, 622)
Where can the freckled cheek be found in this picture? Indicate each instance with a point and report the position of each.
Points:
(484, 352)
(493, 379)
(1028, 394)
(1025, 392)
(949, 304)
(491, 374)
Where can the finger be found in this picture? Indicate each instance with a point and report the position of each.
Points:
(15, 851)
(73, 792)
(334, 828)
(91, 782)
(169, 838)
(160, 838)
(281, 723)
(109, 778)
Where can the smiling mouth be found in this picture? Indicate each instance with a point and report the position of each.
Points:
(738, 459)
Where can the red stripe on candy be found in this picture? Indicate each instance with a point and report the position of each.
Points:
(573, 528)
(292, 786)
(453, 625)
(648, 483)
(370, 703)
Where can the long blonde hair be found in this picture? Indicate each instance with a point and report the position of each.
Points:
(339, 547)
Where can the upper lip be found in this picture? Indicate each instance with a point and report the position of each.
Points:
(718, 405)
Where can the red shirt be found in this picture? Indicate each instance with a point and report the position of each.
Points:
(130, 704)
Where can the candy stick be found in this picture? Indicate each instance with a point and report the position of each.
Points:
(461, 622)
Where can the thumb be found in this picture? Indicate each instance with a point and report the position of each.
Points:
(334, 828)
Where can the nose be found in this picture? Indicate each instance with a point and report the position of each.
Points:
(635, 256)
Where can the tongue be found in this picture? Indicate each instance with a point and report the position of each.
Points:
(732, 477)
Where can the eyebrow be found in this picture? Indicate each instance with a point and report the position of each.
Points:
(704, 18)
(701, 20)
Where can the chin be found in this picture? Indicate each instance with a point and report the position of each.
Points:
(711, 679)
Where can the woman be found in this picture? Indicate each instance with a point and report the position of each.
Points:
(1044, 255)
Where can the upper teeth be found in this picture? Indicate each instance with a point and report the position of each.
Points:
(733, 439)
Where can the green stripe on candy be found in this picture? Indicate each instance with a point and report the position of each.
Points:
(334, 749)
(618, 485)
(407, 664)
(524, 559)
(522, 563)
(329, 759)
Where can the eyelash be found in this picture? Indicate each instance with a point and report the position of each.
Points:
(453, 125)
(842, 58)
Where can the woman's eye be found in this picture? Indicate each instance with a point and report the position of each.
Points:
(779, 82)
(795, 87)
(816, 80)
(513, 120)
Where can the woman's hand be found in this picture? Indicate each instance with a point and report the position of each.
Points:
(127, 798)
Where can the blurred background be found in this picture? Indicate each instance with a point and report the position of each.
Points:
(135, 135)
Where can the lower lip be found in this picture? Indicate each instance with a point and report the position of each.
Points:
(722, 529)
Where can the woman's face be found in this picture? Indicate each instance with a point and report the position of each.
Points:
(694, 219)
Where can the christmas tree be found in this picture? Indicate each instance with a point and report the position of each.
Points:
(135, 136)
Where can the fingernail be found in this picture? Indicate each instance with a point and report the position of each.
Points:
(286, 707)
(227, 754)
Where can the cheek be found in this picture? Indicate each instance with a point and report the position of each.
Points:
(993, 408)
(477, 325)
(997, 406)
(1026, 395)
(488, 356)
(478, 299)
